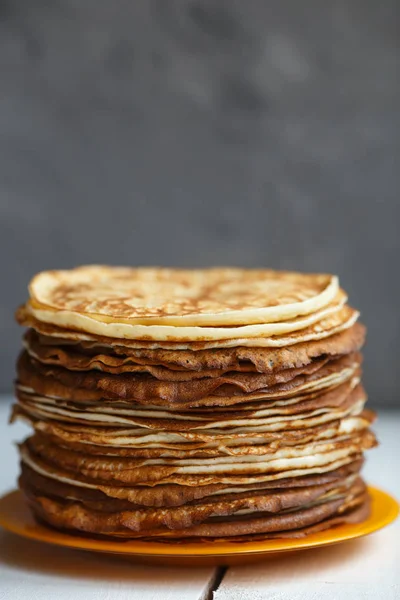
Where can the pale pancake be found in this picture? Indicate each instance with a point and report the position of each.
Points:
(113, 441)
(178, 297)
(285, 461)
(79, 460)
(112, 483)
(143, 435)
(240, 441)
(125, 330)
(334, 323)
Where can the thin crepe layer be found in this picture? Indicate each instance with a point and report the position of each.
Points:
(334, 323)
(72, 515)
(260, 413)
(92, 385)
(353, 512)
(160, 296)
(171, 495)
(53, 482)
(140, 518)
(125, 329)
(127, 443)
(181, 365)
(40, 454)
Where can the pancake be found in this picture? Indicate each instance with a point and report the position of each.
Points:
(338, 320)
(271, 501)
(352, 513)
(339, 401)
(178, 297)
(162, 418)
(54, 483)
(92, 385)
(288, 524)
(110, 441)
(46, 457)
(125, 330)
(175, 405)
(184, 365)
(129, 524)
(168, 495)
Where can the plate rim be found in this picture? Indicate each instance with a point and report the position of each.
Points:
(13, 504)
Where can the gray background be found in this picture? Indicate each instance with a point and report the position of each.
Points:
(190, 132)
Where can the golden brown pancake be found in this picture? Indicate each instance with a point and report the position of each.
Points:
(179, 297)
(174, 495)
(169, 364)
(279, 511)
(271, 501)
(92, 385)
(174, 405)
(164, 495)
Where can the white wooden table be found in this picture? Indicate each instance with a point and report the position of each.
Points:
(364, 569)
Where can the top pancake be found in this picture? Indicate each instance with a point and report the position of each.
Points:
(173, 304)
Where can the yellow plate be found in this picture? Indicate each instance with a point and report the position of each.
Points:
(16, 517)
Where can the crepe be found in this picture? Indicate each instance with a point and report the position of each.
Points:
(347, 399)
(178, 297)
(184, 365)
(175, 405)
(337, 320)
(227, 389)
(266, 511)
(194, 471)
(123, 329)
(272, 501)
(120, 441)
(169, 495)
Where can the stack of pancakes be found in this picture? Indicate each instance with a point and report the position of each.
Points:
(174, 405)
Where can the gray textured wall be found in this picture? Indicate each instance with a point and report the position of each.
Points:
(193, 132)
